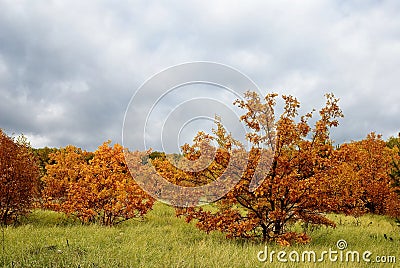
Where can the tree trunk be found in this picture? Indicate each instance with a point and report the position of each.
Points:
(277, 228)
(264, 232)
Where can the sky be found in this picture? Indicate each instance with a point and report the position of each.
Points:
(69, 70)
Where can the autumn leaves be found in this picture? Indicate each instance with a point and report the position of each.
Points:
(94, 187)
(19, 177)
(306, 179)
(291, 173)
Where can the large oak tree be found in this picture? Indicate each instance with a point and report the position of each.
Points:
(291, 162)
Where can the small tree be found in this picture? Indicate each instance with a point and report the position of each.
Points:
(19, 176)
(65, 167)
(394, 144)
(98, 188)
(370, 162)
(393, 202)
(293, 183)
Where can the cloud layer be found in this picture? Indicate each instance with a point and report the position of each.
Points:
(69, 68)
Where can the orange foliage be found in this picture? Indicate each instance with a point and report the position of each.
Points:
(68, 167)
(392, 205)
(19, 178)
(365, 170)
(291, 173)
(293, 182)
(95, 187)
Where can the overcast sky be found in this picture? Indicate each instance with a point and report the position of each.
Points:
(68, 69)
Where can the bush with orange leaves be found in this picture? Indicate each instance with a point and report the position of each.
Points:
(393, 202)
(95, 187)
(368, 163)
(19, 178)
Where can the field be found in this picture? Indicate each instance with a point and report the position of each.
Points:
(48, 239)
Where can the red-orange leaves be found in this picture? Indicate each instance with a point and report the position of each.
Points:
(69, 166)
(363, 176)
(99, 190)
(292, 181)
(289, 238)
(19, 178)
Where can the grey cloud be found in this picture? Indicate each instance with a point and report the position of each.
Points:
(69, 68)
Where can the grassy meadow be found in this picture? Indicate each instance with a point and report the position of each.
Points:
(49, 239)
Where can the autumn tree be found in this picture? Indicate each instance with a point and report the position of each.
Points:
(100, 189)
(289, 166)
(19, 175)
(346, 190)
(394, 144)
(393, 202)
(65, 168)
(200, 165)
(43, 156)
(370, 162)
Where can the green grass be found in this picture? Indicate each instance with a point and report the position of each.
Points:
(48, 239)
